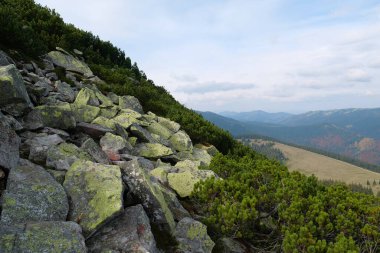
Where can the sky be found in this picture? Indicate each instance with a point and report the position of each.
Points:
(244, 55)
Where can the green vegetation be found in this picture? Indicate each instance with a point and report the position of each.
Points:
(355, 187)
(258, 200)
(267, 149)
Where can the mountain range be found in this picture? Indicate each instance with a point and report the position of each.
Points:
(353, 132)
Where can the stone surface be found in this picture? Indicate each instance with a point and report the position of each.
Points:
(130, 232)
(61, 157)
(85, 113)
(96, 194)
(69, 63)
(187, 165)
(141, 133)
(229, 245)
(192, 237)
(33, 195)
(9, 147)
(202, 155)
(104, 122)
(10, 122)
(127, 118)
(160, 130)
(109, 113)
(130, 102)
(93, 130)
(211, 149)
(152, 150)
(113, 97)
(86, 96)
(58, 175)
(5, 59)
(13, 94)
(46, 237)
(92, 148)
(66, 92)
(147, 192)
(181, 141)
(171, 125)
(183, 182)
(112, 145)
(39, 146)
(178, 211)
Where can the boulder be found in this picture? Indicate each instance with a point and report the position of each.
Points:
(210, 149)
(141, 133)
(202, 156)
(187, 165)
(95, 192)
(147, 192)
(127, 117)
(130, 102)
(229, 245)
(178, 211)
(130, 232)
(92, 148)
(151, 150)
(181, 141)
(85, 113)
(112, 145)
(10, 122)
(86, 96)
(68, 62)
(39, 146)
(183, 182)
(40, 89)
(58, 175)
(14, 98)
(160, 130)
(33, 195)
(114, 98)
(61, 157)
(93, 130)
(47, 237)
(66, 92)
(171, 125)
(55, 116)
(109, 113)
(192, 237)
(5, 59)
(104, 122)
(9, 147)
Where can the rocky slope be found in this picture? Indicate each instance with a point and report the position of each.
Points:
(83, 171)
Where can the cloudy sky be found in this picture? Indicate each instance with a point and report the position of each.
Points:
(243, 55)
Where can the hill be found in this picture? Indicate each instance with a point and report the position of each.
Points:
(258, 116)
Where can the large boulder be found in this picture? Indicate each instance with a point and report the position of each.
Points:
(229, 245)
(183, 182)
(9, 147)
(69, 62)
(95, 192)
(202, 156)
(130, 102)
(13, 95)
(39, 146)
(66, 93)
(85, 113)
(93, 130)
(112, 145)
(130, 232)
(5, 59)
(92, 148)
(171, 125)
(141, 133)
(61, 157)
(181, 141)
(57, 116)
(156, 128)
(33, 195)
(127, 117)
(147, 192)
(192, 237)
(47, 237)
(152, 150)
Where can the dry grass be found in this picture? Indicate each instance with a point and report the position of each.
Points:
(324, 167)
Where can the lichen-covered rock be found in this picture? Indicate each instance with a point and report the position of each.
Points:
(130, 232)
(69, 62)
(181, 141)
(61, 157)
(66, 92)
(33, 195)
(147, 192)
(211, 149)
(96, 194)
(10, 122)
(141, 133)
(85, 113)
(152, 150)
(13, 93)
(178, 211)
(109, 113)
(202, 155)
(104, 122)
(5, 59)
(112, 145)
(186, 165)
(127, 117)
(56, 116)
(161, 174)
(159, 129)
(183, 182)
(9, 147)
(93, 130)
(229, 245)
(86, 96)
(92, 148)
(58, 175)
(47, 237)
(113, 97)
(192, 237)
(39, 146)
(130, 102)
(171, 125)
(105, 102)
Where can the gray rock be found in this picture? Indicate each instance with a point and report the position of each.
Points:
(91, 147)
(152, 150)
(13, 95)
(130, 232)
(113, 97)
(9, 147)
(130, 102)
(39, 146)
(147, 192)
(171, 125)
(10, 122)
(69, 62)
(66, 92)
(93, 130)
(192, 237)
(58, 175)
(40, 89)
(141, 133)
(46, 237)
(229, 245)
(181, 141)
(5, 59)
(33, 195)
(112, 145)
(178, 211)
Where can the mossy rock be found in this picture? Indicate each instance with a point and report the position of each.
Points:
(109, 113)
(188, 165)
(86, 96)
(127, 117)
(69, 63)
(96, 194)
(56, 116)
(181, 141)
(171, 125)
(104, 122)
(161, 174)
(202, 156)
(152, 150)
(183, 183)
(211, 149)
(130, 102)
(159, 129)
(85, 113)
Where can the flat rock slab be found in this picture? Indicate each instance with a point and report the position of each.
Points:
(92, 148)
(152, 150)
(96, 194)
(130, 232)
(9, 147)
(33, 195)
(93, 130)
(46, 237)
(69, 63)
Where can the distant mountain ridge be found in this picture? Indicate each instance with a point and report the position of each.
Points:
(353, 132)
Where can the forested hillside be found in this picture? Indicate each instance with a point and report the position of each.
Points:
(259, 202)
